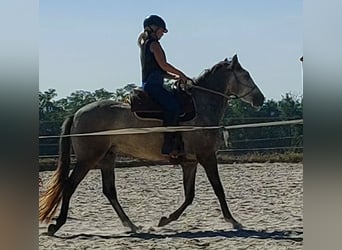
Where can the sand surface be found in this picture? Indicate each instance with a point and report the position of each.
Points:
(266, 198)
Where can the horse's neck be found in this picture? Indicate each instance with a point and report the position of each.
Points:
(210, 107)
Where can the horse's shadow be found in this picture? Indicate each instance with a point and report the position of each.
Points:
(242, 233)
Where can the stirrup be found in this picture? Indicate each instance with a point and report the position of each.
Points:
(175, 157)
(176, 154)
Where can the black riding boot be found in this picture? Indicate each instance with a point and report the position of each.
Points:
(173, 143)
(168, 143)
(179, 144)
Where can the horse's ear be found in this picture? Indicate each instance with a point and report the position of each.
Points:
(235, 59)
(226, 59)
(235, 62)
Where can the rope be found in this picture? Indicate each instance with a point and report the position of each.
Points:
(129, 131)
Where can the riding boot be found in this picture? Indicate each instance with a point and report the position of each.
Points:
(178, 154)
(173, 144)
(179, 143)
(168, 145)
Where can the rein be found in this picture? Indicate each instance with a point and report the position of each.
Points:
(191, 84)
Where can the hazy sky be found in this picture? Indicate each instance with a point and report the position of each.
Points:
(88, 44)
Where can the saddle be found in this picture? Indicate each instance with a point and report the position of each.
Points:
(146, 108)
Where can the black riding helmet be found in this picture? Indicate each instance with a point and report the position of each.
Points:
(155, 20)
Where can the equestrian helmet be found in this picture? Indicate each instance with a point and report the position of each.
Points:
(155, 20)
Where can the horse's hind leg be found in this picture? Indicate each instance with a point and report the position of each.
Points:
(189, 175)
(209, 162)
(77, 175)
(109, 190)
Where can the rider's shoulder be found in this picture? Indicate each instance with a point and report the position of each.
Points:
(154, 44)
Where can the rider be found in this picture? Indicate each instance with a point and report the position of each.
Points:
(154, 69)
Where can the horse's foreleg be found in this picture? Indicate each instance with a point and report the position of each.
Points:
(71, 184)
(109, 190)
(189, 174)
(209, 162)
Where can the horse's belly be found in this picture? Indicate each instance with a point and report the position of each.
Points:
(142, 146)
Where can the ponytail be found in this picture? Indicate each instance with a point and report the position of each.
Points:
(143, 36)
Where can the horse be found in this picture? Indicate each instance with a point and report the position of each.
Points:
(212, 87)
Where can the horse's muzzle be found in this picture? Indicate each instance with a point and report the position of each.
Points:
(258, 101)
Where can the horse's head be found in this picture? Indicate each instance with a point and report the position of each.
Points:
(240, 84)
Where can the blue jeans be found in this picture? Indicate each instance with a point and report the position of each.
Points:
(167, 100)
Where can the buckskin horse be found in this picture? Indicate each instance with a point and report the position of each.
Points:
(211, 90)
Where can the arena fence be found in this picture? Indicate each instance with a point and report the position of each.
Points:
(225, 129)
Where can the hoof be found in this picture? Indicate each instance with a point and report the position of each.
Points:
(237, 226)
(135, 228)
(51, 230)
(163, 221)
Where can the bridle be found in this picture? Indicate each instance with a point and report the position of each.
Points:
(192, 84)
(240, 83)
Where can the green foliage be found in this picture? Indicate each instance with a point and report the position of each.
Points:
(47, 106)
(56, 110)
(288, 108)
(52, 112)
(122, 93)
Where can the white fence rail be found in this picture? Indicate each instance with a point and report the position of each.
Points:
(192, 128)
(127, 131)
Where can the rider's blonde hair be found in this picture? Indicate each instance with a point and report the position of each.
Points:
(143, 36)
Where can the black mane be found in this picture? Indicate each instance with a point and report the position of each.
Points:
(207, 72)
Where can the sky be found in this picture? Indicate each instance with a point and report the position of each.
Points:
(89, 45)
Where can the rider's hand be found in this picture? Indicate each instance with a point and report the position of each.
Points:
(183, 78)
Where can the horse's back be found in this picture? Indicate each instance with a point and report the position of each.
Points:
(100, 106)
(99, 115)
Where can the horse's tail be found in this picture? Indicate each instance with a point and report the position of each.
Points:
(50, 199)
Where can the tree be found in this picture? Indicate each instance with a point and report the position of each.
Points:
(238, 112)
(49, 109)
(291, 106)
(122, 94)
(53, 112)
(102, 94)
